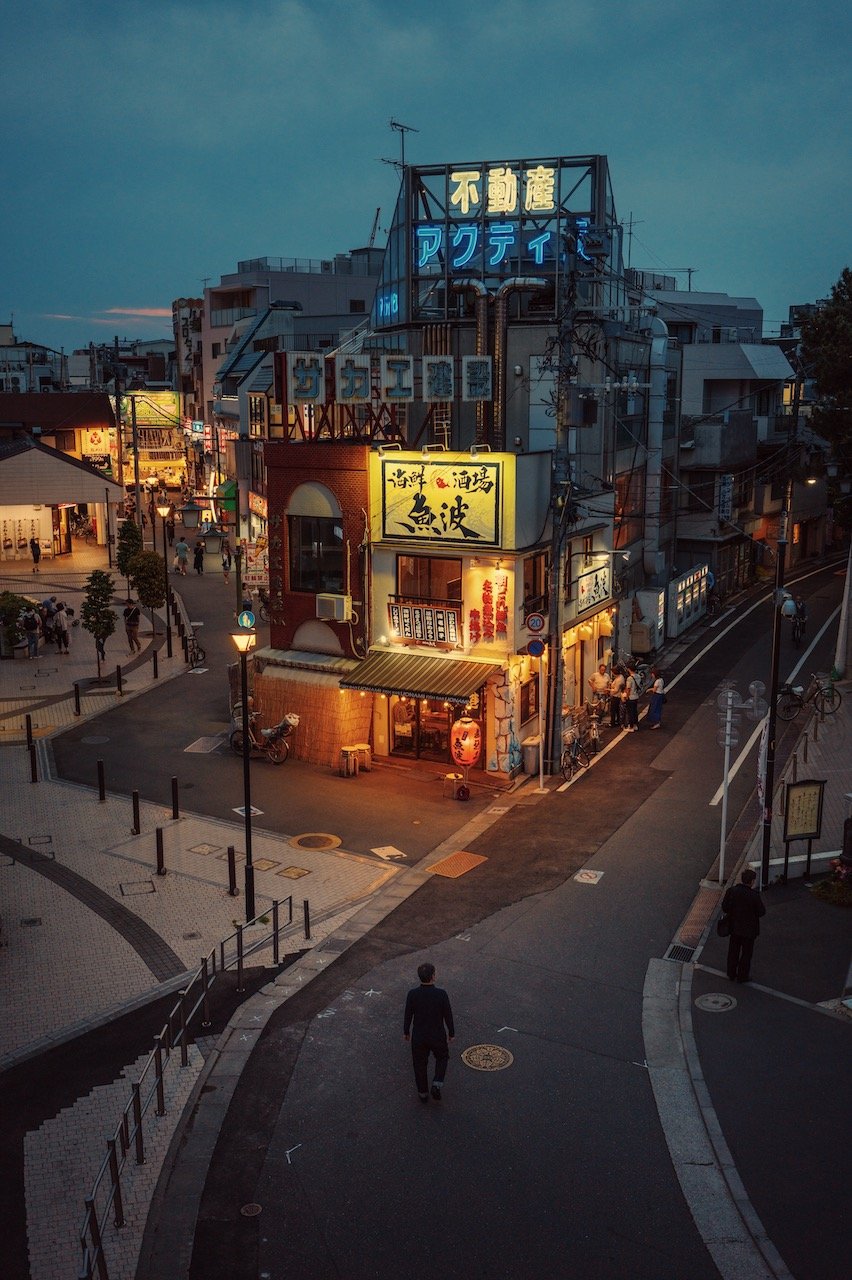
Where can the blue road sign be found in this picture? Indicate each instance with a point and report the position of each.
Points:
(246, 619)
(535, 648)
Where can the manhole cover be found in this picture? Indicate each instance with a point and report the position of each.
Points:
(94, 741)
(250, 1210)
(315, 840)
(487, 1057)
(716, 1002)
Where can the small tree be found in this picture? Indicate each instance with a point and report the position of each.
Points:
(97, 616)
(11, 608)
(147, 572)
(128, 544)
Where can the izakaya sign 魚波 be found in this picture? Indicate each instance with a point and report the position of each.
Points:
(593, 588)
(439, 501)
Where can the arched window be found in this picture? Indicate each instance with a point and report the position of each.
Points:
(315, 535)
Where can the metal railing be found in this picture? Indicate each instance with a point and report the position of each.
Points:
(105, 1194)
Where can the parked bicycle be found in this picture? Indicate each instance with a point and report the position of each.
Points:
(267, 742)
(574, 756)
(264, 605)
(821, 692)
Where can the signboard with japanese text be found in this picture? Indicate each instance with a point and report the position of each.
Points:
(305, 377)
(438, 625)
(255, 564)
(477, 380)
(258, 504)
(435, 501)
(803, 810)
(438, 379)
(153, 408)
(726, 497)
(593, 588)
(397, 379)
(352, 380)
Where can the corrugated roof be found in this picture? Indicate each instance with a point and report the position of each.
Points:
(418, 676)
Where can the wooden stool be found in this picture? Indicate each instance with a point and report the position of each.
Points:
(365, 755)
(348, 767)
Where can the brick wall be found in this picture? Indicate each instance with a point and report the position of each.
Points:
(342, 469)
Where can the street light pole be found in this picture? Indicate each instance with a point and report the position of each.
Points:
(244, 640)
(772, 713)
(164, 511)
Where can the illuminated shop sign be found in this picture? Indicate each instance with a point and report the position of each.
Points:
(425, 624)
(593, 588)
(153, 408)
(257, 504)
(441, 501)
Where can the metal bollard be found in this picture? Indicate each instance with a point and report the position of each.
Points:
(28, 721)
(76, 697)
(161, 865)
(175, 801)
(101, 783)
(184, 1047)
(239, 957)
(805, 748)
(275, 951)
(119, 688)
(33, 764)
(156, 665)
(232, 872)
(158, 1066)
(137, 1124)
(306, 910)
(185, 648)
(136, 829)
(205, 979)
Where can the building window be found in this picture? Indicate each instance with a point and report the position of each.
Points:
(257, 415)
(536, 582)
(357, 305)
(428, 578)
(316, 553)
(216, 350)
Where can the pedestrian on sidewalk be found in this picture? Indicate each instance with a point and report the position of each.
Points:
(743, 906)
(632, 700)
(170, 529)
(427, 1007)
(35, 552)
(657, 692)
(131, 626)
(32, 626)
(181, 555)
(198, 557)
(61, 628)
(616, 699)
(227, 560)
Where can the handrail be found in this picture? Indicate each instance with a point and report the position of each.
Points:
(105, 1193)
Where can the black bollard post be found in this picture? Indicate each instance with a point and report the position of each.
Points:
(306, 907)
(118, 687)
(136, 829)
(232, 872)
(185, 649)
(156, 665)
(28, 720)
(76, 697)
(101, 783)
(161, 866)
(175, 801)
(33, 763)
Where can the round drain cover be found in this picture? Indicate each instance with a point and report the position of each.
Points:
(250, 1210)
(315, 840)
(716, 1002)
(487, 1057)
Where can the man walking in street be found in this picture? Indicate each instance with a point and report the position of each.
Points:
(743, 906)
(131, 626)
(428, 1008)
(181, 555)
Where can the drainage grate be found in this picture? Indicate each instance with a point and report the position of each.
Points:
(30, 922)
(677, 951)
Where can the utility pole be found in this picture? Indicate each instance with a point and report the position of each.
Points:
(118, 427)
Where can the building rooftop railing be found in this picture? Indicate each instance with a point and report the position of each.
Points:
(343, 265)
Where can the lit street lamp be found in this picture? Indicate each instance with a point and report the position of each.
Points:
(244, 640)
(164, 511)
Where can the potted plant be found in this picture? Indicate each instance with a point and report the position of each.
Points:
(11, 631)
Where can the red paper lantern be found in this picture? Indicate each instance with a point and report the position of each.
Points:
(466, 741)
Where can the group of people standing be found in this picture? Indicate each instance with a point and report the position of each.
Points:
(51, 620)
(623, 689)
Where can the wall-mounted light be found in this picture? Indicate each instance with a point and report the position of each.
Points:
(385, 448)
(476, 449)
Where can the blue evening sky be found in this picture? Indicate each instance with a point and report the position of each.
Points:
(148, 146)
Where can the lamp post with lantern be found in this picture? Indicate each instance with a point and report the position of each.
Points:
(164, 511)
(245, 641)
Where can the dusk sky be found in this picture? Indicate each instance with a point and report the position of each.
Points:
(146, 147)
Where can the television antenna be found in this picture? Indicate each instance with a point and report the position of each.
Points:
(402, 130)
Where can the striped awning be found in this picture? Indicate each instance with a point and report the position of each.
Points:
(416, 676)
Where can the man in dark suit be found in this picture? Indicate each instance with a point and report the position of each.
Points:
(744, 906)
(428, 1008)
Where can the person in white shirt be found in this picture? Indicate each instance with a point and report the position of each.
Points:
(599, 683)
(656, 690)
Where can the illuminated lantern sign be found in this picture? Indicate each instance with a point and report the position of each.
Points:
(466, 741)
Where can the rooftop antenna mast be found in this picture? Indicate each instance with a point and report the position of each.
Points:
(402, 130)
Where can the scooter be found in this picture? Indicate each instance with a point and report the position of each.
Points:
(271, 743)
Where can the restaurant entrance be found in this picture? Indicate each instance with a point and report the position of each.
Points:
(420, 728)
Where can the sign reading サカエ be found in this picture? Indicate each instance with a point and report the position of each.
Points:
(441, 501)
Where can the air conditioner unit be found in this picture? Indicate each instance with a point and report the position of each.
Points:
(334, 608)
(326, 266)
